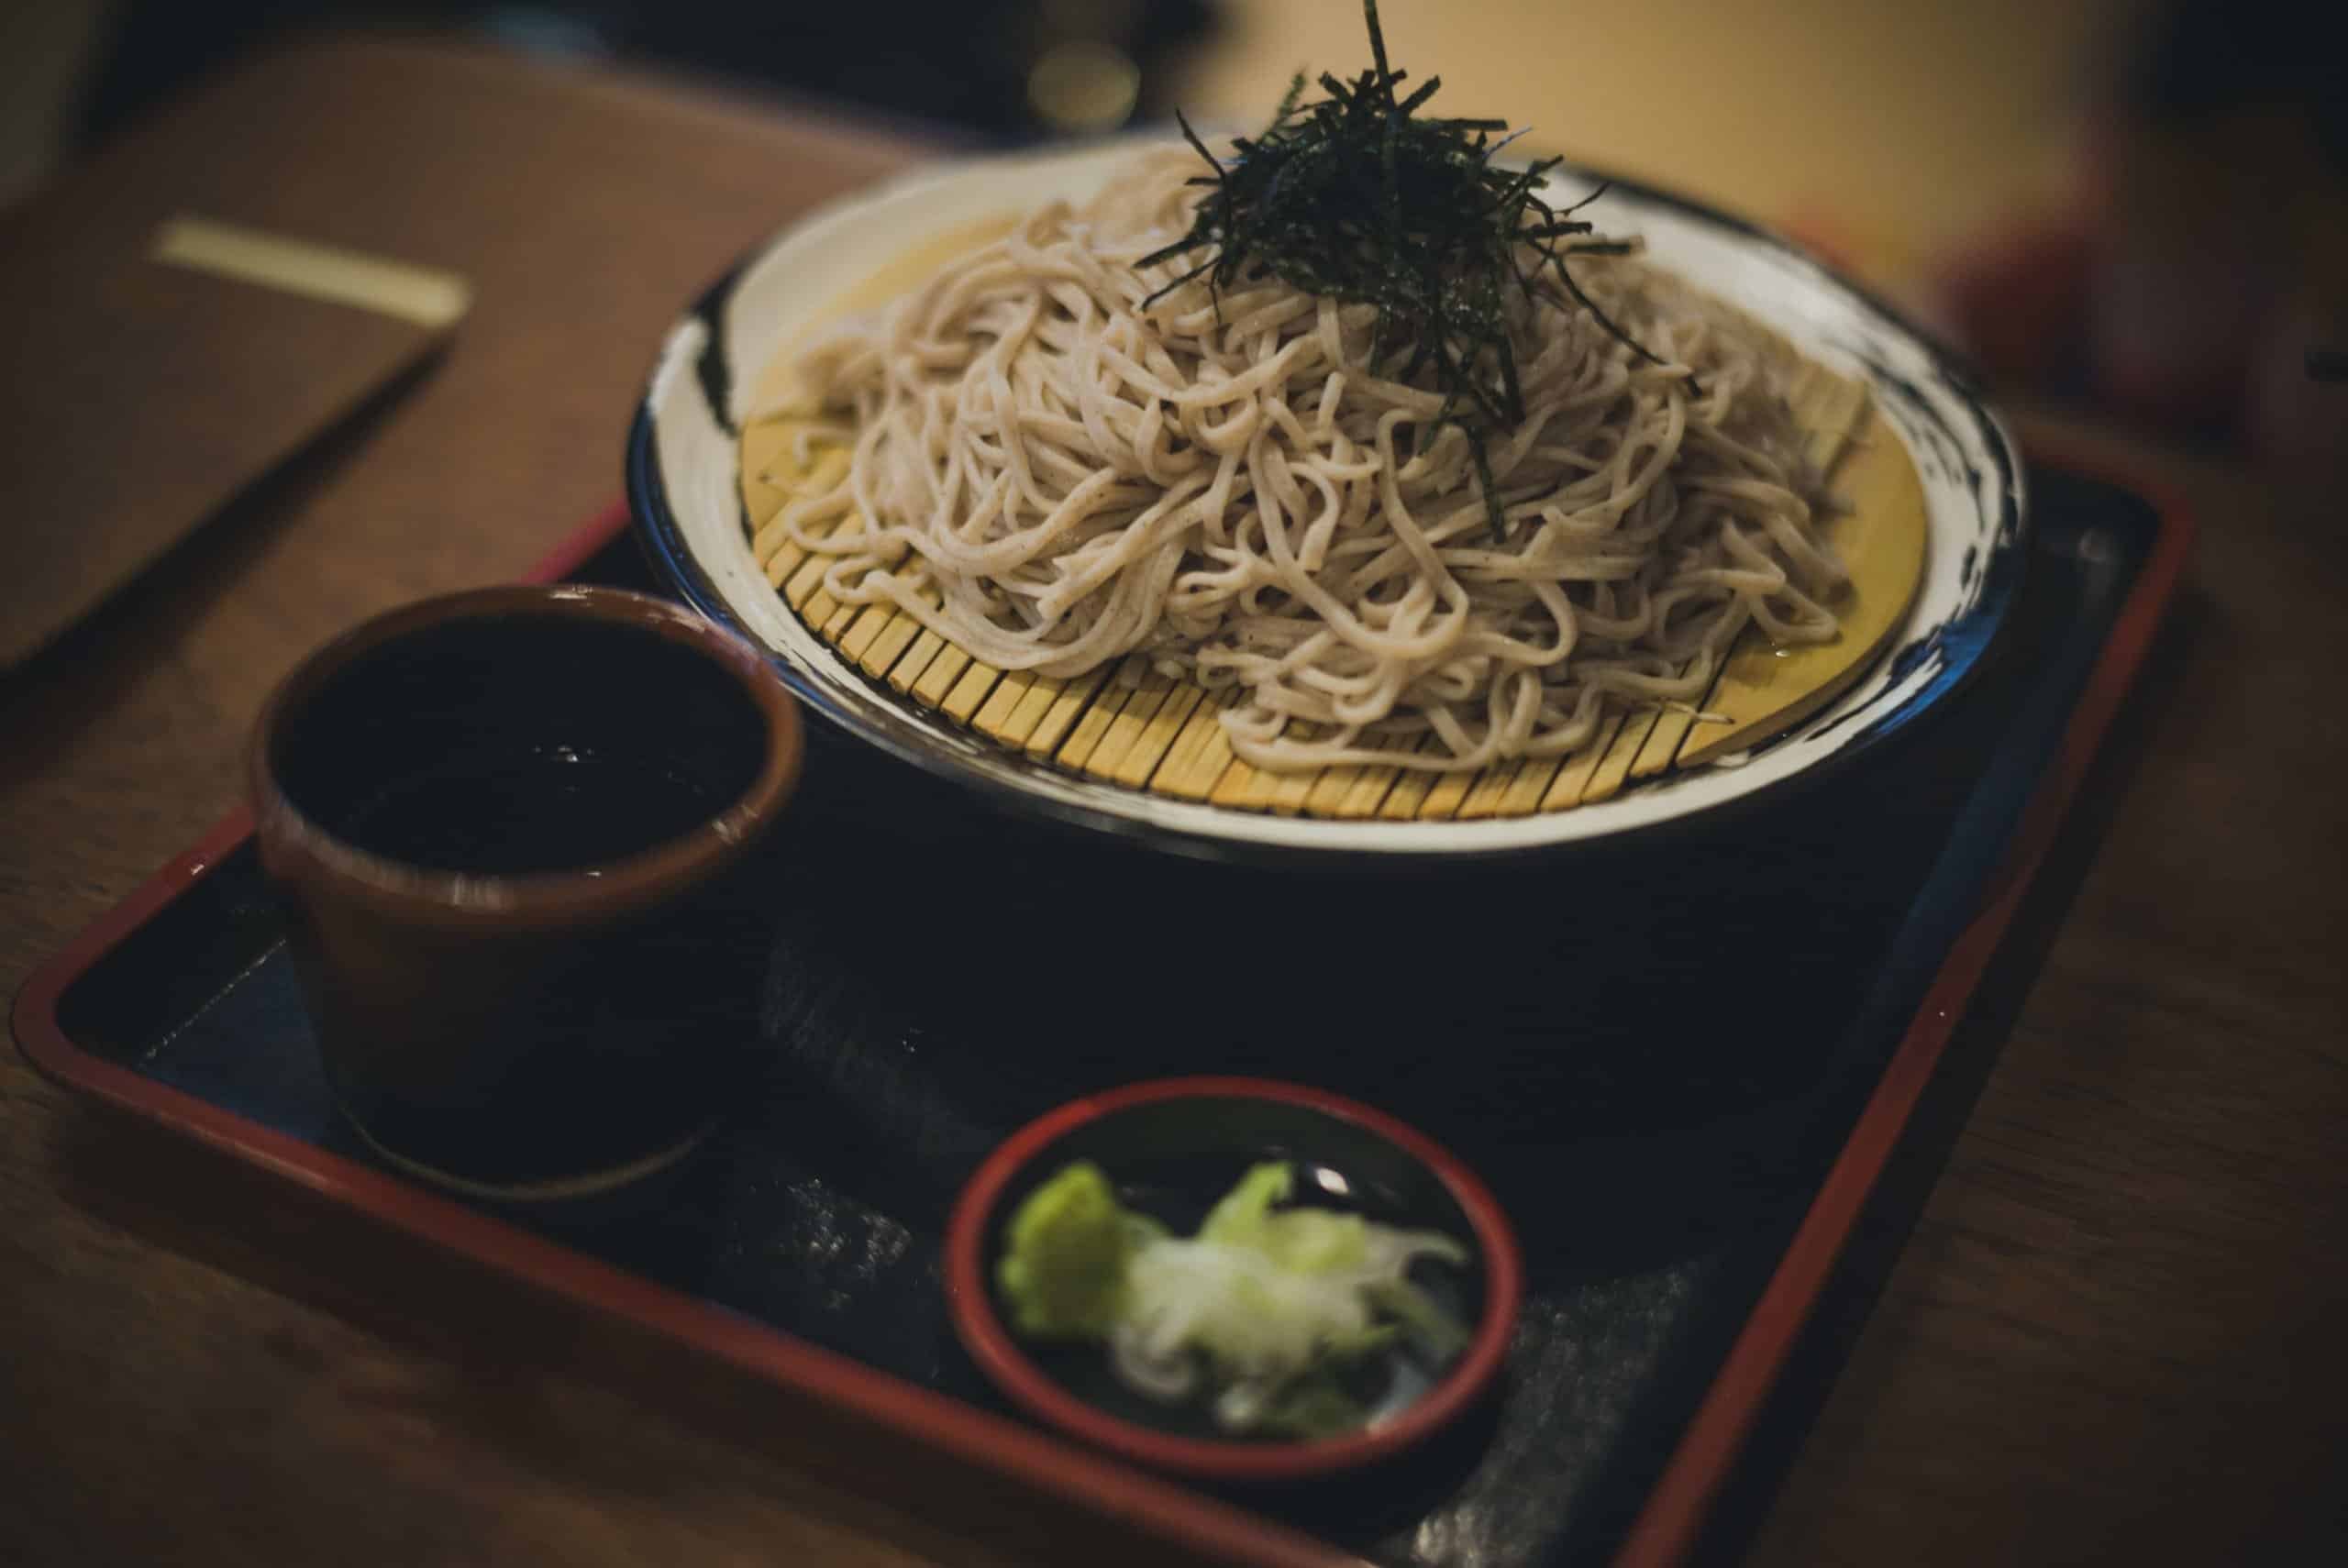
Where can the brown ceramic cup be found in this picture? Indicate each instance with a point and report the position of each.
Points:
(521, 835)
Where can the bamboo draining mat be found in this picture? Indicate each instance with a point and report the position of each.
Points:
(1146, 731)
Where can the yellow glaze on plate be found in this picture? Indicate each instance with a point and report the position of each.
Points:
(1763, 690)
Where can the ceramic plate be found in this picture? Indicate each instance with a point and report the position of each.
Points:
(683, 467)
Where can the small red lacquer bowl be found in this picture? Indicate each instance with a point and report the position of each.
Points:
(1173, 1147)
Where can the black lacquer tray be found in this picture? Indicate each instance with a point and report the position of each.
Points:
(1681, 1067)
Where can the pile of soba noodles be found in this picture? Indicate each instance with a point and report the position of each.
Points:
(1053, 475)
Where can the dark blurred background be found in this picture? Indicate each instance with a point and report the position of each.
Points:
(1010, 69)
(2136, 207)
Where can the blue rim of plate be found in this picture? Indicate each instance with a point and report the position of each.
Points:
(1960, 644)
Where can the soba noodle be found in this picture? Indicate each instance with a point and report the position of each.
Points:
(1052, 478)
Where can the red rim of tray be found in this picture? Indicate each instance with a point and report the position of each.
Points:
(1675, 1510)
(982, 1333)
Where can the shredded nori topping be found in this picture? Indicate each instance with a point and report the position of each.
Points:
(1357, 197)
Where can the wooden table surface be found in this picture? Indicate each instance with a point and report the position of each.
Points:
(2113, 1329)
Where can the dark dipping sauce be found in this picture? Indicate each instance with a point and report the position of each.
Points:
(508, 811)
(509, 746)
(564, 1052)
